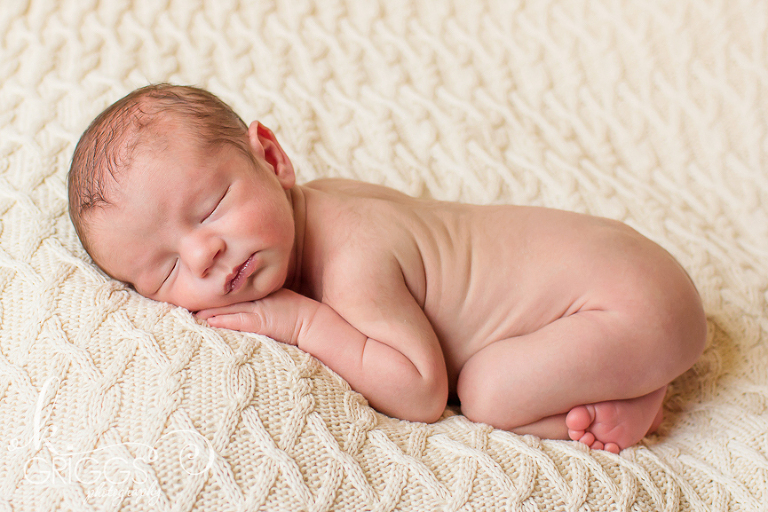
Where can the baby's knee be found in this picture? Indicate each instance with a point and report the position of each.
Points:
(480, 396)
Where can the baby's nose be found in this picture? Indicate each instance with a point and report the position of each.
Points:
(202, 251)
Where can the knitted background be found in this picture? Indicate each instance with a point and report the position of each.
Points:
(647, 111)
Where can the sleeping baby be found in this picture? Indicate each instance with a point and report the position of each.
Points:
(537, 321)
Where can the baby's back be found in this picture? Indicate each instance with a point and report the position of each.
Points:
(480, 273)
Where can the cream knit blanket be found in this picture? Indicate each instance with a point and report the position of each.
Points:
(648, 111)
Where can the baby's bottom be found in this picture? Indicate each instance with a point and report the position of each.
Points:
(595, 376)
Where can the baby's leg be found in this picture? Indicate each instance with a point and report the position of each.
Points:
(587, 358)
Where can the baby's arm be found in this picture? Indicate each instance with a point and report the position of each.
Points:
(383, 346)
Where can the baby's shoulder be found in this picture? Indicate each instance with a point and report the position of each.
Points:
(348, 214)
(354, 213)
(357, 227)
(357, 189)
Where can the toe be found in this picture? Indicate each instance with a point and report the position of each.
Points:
(576, 435)
(612, 447)
(597, 445)
(580, 417)
(588, 439)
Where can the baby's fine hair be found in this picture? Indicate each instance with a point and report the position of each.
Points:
(107, 146)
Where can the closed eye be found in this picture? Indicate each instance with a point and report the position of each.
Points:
(168, 276)
(216, 207)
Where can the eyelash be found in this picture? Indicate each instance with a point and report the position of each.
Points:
(217, 204)
(176, 262)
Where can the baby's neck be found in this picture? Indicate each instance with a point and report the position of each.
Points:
(298, 202)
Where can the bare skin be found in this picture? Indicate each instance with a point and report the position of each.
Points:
(539, 321)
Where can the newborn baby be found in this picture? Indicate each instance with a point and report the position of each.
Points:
(538, 321)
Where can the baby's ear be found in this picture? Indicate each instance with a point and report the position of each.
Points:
(265, 146)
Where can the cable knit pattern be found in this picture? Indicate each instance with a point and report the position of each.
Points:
(647, 111)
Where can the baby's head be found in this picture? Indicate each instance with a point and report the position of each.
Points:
(171, 192)
(137, 123)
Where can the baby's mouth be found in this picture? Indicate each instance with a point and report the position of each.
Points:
(238, 276)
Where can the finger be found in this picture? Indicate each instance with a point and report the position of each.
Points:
(240, 307)
(239, 321)
(255, 323)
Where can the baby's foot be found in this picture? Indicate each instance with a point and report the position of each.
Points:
(615, 424)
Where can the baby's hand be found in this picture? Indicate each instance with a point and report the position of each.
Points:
(280, 316)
